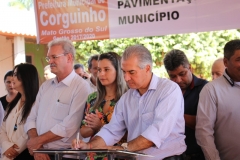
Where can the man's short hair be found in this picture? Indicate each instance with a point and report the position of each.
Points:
(142, 53)
(174, 59)
(76, 66)
(94, 57)
(66, 44)
(231, 47)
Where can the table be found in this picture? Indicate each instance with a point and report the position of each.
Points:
(111, 154)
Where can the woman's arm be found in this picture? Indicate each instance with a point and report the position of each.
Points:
(86, 132)
(92, 125)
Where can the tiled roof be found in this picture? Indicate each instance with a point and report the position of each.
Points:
(17, 22)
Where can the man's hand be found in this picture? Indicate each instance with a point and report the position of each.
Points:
(86, 75)
(114, 147)
(80, 144)
(190, 121)
(33, 144)
(40, 156)
(11, 153)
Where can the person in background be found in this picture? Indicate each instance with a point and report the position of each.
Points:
(1, 119)
(92, 69)
(217, 68)
(179, 71)
(100, 105)
(151, 111)
(79, 69)
(11, 92)
(1, 113)
(13, 139)
(47, 73)
(56, 115)
(218, 114)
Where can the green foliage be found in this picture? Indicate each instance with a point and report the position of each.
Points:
(201, 48)
(21, 4)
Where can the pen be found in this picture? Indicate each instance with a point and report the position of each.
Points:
(77, 139)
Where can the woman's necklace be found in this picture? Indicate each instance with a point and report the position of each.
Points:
(18, 113)
(15, 126)
(109, 98)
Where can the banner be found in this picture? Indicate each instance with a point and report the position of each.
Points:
(81, 20)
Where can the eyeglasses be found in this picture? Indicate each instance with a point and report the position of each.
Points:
(54, 57)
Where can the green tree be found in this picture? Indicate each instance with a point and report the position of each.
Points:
(21, 4)
(201, 48)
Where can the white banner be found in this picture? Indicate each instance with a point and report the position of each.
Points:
(102, 19)
(134, 18)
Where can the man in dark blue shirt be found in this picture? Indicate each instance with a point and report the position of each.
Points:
(179, 71)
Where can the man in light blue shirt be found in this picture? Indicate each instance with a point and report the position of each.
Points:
(151, 111)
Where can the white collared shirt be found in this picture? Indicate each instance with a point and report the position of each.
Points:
(93, 87)
(59, 108)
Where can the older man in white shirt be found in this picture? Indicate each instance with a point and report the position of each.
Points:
(56, 115)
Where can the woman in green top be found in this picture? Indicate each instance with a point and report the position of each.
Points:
(100, 105)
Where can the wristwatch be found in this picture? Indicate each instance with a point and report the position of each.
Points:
(125, 146)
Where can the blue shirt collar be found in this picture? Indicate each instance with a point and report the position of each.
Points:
(152, 86)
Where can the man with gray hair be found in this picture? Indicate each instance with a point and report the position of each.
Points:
(151, 111)
(56, 115)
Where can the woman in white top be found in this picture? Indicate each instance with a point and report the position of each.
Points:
(13, 139)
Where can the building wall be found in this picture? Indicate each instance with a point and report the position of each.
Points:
(38, 54)
(6, 61)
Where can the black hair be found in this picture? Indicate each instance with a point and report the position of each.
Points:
(231, 47)
(28, 75)
(174, 59)
(9, 73)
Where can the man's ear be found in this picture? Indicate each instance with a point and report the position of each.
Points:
(225, 61)
(190, 67)
(70, 57)
(148, 68)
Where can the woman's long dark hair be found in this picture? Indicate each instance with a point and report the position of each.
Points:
(28, 75)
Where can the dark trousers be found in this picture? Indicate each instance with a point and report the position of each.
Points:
(24, 156)
(193, 156)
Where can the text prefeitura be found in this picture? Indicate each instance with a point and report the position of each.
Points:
(68, 18)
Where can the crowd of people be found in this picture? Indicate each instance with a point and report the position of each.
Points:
(120, 104)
